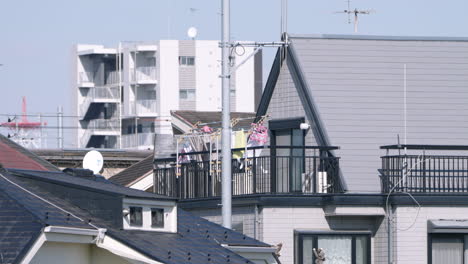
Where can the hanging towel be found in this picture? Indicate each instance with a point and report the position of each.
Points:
(239, 142)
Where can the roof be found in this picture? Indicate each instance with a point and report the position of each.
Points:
(102, 186)
(352, 92)
(13, 155)
(134, 172)
(376, 37)
(26, 207)
(213, 118)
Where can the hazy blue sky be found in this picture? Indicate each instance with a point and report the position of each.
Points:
(37, 36)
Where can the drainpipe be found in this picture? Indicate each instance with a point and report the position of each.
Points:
(390, 234)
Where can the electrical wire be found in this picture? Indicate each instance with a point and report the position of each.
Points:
(46, 201)
(405, 175)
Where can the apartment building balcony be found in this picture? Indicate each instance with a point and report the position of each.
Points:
(425, 169)
(100, 95)
(99, 127)
(140, 140)
(143, 75)
(196, 175)
(86, 79)
(146, 107)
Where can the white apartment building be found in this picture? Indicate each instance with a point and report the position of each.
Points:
(124, 95)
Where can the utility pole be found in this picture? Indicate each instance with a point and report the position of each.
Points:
(226, 198)
(60, 127)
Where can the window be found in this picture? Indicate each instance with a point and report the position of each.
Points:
(187, 94)
(338, 248)
(157, 217)
(186, 60)
(136, 216)
(448, 248)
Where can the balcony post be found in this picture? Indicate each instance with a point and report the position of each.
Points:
(254, 173)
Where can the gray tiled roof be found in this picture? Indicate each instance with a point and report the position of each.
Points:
(23, 215)
(133, 172)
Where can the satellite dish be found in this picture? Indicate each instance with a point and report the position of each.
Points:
(192, 32)
(93, 161)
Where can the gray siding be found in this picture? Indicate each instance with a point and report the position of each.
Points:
(187, 74)
(280, 223)
(285, 102)
(410, 232)
(243, 217)
(358, 88)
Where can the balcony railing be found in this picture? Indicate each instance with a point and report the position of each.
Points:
(85, 77)
(136, 140)
(112, 78)
(104, 124)
(143, 107)
(270, 174)
(143, 74)
(428, 169)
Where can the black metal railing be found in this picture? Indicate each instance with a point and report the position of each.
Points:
(258, 174)
(425, 170)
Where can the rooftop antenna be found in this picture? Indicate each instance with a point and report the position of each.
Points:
(192, 31)
(356, 12)
(94, 161)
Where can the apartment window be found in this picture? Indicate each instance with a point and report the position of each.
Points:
(136, 216)
(233, 92)
(337, 248)
(186, 60)
(448, 248)
(187, 94)
(157, 217)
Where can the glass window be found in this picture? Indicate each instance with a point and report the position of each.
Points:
(187, 94)
(186, 60)
(448, 248)
(337, 248)
(157, 217)
(136, 216)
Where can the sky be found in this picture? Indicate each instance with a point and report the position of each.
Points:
(37, 36)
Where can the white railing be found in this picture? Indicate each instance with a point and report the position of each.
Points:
(85, 77)
(85, 138)
(147, 73)
(112, 77)
(136, 140)
(104, 124)
(143, 107)
(96, 93)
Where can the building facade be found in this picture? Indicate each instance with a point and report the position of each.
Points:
(366, 158)
(124, 95)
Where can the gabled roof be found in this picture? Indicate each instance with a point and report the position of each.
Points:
(352, 90)
(134, 172)
(27, 206)
(13, 155)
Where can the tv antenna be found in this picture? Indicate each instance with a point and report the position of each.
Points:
(356, 13)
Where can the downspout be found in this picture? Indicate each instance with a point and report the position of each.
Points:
(256, 221)
(390, 234)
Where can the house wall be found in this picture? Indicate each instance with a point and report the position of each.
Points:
(358, 86)
(242, 217)
(279, 224)
(410, 230)
(286, 103)
(74, 253)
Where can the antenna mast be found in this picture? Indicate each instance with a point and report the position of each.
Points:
(356, 12)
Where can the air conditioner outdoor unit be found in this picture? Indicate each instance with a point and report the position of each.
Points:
(322, 182)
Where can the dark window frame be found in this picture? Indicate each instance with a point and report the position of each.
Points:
(187, 60)
(452, 235)
(133, 220)
(299, 238)
(287, 124)
(159, 224)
